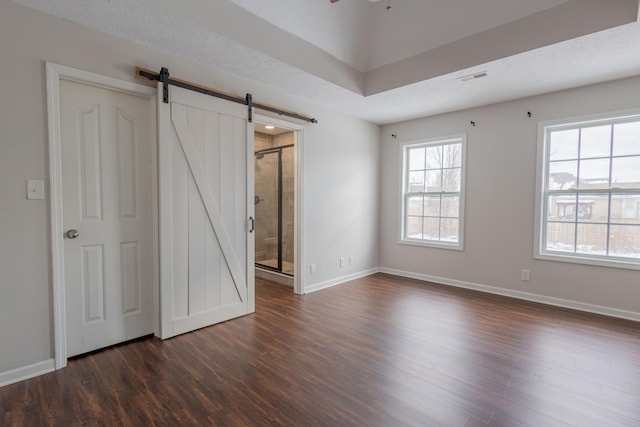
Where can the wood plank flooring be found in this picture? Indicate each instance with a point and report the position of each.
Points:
(378, 351)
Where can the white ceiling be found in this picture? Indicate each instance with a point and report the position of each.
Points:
(262, 128)
(384, 66)
(367, 36)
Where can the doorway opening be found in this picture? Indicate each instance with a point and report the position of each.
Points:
(275, 204)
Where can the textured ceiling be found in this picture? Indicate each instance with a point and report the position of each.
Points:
(356, 58)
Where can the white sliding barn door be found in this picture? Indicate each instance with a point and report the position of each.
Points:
(106, 153)
(205, 183)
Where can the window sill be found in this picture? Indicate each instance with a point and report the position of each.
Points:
(432, 244)
(597, 262)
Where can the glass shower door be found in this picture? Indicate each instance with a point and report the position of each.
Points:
(267, 208)
(275, 211)
(287, 210)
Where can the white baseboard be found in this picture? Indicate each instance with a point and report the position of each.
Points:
(26, 372)
(339, 280)
(558, 302)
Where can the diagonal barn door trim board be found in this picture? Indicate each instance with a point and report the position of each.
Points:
(211, 207)
(175, 138)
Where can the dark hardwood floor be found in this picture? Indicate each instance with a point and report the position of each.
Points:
(379, 351)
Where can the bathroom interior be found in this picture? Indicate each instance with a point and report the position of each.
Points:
(274, 191)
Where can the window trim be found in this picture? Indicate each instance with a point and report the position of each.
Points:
(541, 187)
(461, 138)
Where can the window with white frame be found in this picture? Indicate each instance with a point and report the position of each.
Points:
(590, 191)
(433, 192)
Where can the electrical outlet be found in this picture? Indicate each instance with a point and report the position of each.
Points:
(525, 275)
(312, 269)
(342, 262)
(350, 259)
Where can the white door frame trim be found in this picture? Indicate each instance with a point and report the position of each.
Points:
(298, 261)
(56, 73)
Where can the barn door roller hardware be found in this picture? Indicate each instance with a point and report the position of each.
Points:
(165, 78)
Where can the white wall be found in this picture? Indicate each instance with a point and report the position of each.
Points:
(501, 169)
(345, 165)
(340, 169)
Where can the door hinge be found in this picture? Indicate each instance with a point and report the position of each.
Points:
(252, 224)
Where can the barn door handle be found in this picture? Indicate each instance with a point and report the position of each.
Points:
(252, 224)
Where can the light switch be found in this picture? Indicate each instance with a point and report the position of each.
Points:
(35, 189)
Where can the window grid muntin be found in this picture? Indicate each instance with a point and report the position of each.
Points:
(611, 191)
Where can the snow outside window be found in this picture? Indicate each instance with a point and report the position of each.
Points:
(433, 192)
(589, 175)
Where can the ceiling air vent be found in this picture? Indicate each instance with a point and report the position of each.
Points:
(473, 76)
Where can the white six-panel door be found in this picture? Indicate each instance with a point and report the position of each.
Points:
(106, 142)
(205, 148)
